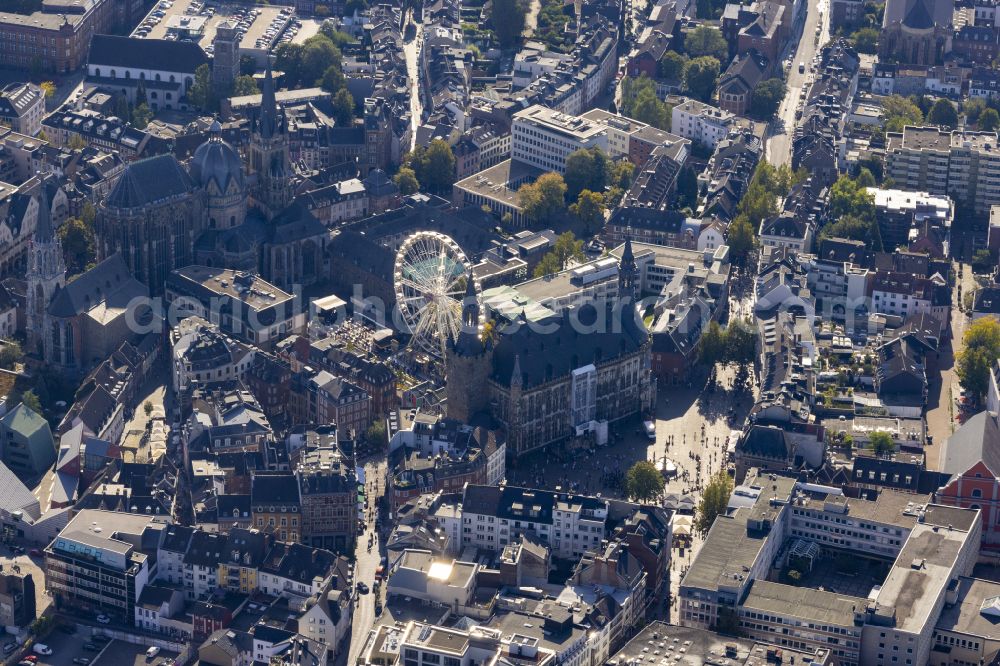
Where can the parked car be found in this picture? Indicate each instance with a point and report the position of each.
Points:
(100, 638)
(9, 647)
(81, 661)
(103, 619)
(362, 588)
(34, 552)
(152, 652)
(32, 658)
(91, 647)
(42, 649)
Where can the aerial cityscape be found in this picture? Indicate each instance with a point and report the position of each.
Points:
(499, 332)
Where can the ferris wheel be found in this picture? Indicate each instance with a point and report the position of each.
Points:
(429, 278)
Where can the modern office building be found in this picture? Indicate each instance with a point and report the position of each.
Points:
(544, 138)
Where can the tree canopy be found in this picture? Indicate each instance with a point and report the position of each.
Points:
(882, 443)
(767, 98)
(852, 208)
(586, 169)
(980, 350)
(989, 120)
(714, 499)
(943, 113)
(433, 165)
(706, 41)
(507, 18)
(589, 211)
(700, 77)
(639, 101)
(865, 40)
(899, 112)
(567, 248)
(671, 66)
(406, 181)
(544, 199)
(643, 481)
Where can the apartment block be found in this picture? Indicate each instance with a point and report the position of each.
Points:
(701, 123)
(962, 165)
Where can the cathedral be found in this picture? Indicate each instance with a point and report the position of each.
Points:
(547, 383)
(162, 215)
(916, 32)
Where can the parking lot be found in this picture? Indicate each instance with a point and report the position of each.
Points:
(28, 564)
(120, 653)
(263, 27)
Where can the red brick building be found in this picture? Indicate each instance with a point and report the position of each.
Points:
(972, 457)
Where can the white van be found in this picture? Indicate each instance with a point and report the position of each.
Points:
(152, 652)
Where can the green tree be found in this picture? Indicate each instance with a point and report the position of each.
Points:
(639, 101)
(865, 40)
(687, 188)
(544, 199)
(76, 142)
(245, 85)
(767, 98)
(78, 246)
(586, 169)
(318, 55)
(980, 350)
(200, 93)
(10, 353)
(713, 345)
(943, 113)
(714, 500)
(433, 165)
(671, 66)
(343, 108)
(48, 88)
(900, 112)
(31, 401)
(333, 79)
(141, 115)
(741, 236)
(121, 106)
(406, 181)
(983, 261)
(849, 197)
(741, 344)
(147, 408)
(865, 178)
(643, 481)
(376, 434)
(706, 41)
(620, 174)
(88, 214)
(567, 248)
(507, 18)
(700, 77)
(989, 120)
(589, 210)
(882, 443)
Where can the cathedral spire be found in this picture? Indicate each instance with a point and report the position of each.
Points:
(516, 376)
(268, 105)
(43, 228)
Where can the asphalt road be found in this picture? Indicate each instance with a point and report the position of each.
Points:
(779, 144)
(367, 561)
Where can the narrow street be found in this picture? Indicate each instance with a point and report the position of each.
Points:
(943, 389)
(411, 49)
(367, 560)
(778, 149)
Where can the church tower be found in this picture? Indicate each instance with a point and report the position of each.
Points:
(46, 276)
(468, 362)
(628, 272)
(269, 160)
(225, 59)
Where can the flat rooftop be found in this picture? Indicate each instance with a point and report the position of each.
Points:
(501, 181)
(921, 574)
(977, 611)
(249, 288)
(810, 604)
(576, 127)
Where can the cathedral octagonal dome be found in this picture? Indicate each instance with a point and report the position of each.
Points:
(217, 160)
